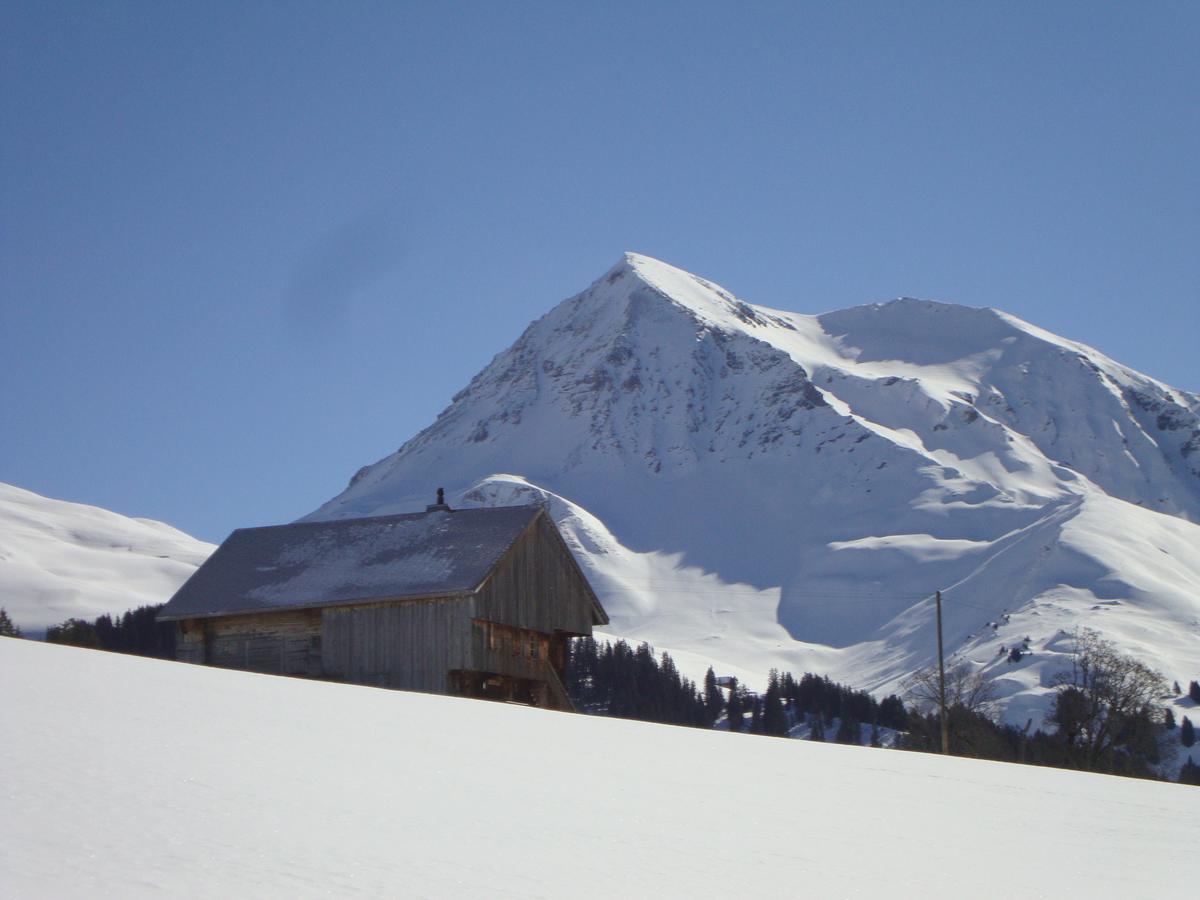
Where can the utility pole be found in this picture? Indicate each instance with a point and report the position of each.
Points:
(942, 680)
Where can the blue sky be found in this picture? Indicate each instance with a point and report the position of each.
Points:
(247, 248)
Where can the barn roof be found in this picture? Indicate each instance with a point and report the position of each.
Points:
(342, 561)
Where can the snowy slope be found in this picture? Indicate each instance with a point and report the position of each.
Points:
(130, 777)
(60, 559)
(756, 487)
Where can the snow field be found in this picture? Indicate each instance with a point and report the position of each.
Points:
(60, 560)
(129, 777)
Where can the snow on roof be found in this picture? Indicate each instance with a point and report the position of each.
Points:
(351, 560)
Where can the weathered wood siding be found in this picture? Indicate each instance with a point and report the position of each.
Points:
(410, 645)
(537, 586)
(504, 650)
(278, 643)
(189, 641)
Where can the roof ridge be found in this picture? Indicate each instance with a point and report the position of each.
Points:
(411, 515)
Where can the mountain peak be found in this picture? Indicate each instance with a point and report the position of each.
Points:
(761, 488)
(638, 267)
(639, 277)
(633, 258)
(632, 262)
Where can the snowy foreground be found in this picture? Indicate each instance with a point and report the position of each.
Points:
(128, 777)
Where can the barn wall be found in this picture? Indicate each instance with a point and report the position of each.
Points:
(411, 645)
(537, 586)
(519, 652)
(278, 643)
(189, 641)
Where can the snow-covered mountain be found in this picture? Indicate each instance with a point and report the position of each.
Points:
(61, 559)
(761, 488)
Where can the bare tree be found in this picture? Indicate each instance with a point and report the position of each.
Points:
(967, 688)
(1105, 700)
(970, 710)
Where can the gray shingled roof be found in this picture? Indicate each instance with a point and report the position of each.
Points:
(350, 560)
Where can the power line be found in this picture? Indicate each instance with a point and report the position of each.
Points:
(816, 599)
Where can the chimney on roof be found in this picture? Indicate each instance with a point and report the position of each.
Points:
(441, 503)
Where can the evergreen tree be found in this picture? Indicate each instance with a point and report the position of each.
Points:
(1168, 719)
(1190, 773)
(774, 720)
(1177, 688)
(7, 627)
(138, 631)
(714, 700)
(671, 688)
(76, 632)
(619, 681)
(647, 693)
(108, 634)
(1194, 691)
(892, 713)
(816, 728)
(735, 709)
(848, 731)
(1187, 733)
(756, 717)
(581, 675)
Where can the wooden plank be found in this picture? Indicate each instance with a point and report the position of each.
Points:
(537, 585)
(189, 641)
(279, 643)
(410, 645)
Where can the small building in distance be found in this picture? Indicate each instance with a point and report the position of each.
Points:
(473, 602)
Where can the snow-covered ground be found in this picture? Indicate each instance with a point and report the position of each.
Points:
(751, 488)
(61, 559)
(127, 777)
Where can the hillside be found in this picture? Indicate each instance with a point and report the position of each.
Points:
(757, 488)
(132, 777)
(61, 559)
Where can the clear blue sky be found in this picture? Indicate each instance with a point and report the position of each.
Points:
(246, 248)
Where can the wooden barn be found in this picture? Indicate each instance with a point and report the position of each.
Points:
(474, 602)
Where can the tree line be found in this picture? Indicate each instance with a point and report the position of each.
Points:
(1106, 716)
(631, 683)
(617, 680)
(136, 631)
